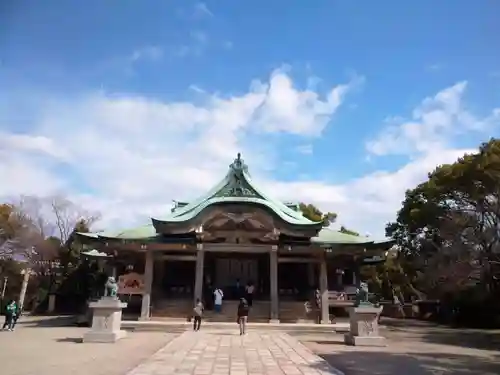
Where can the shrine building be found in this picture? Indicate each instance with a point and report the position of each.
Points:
(233, 235)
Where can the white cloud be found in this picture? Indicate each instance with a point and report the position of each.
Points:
(197, 89)
(201, 10)
(152, 53)
(195, 46)
(432, 126)
(434, 67)
(306, 149)
(367, 203)
(130, 156)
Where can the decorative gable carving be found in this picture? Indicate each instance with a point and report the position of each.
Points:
(237, 185)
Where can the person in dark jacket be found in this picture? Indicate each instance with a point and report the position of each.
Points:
(243, 315)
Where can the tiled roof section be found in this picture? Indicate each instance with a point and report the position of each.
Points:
(142, 232)
(328, 236)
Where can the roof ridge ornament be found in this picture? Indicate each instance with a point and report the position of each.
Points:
(236, 186)
(238, 165)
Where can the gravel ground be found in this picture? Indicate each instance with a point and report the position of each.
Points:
(41, 347)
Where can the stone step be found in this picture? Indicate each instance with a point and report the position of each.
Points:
(183, 310)
(170, 326)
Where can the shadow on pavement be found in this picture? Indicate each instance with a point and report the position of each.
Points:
(445, 335)
(74, 340)
(466, 339)
(380, 363)
(47, 321)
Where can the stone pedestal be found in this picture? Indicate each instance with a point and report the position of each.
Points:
(106, 320)
(363, 330)
(52, 304)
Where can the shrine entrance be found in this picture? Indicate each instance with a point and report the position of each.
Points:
(230, 270)
(227, 270)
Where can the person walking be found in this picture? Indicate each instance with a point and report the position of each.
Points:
(197, 314)
(399, 305)
(218, 296)
(16, 316)
(10, 313)
(243, 315)
(249, 290)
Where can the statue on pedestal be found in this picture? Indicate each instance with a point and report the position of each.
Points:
(362, 295)
(111, 287)
(106, 316)
(363, 320)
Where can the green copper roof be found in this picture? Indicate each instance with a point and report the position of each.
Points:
(142, 232)
(328, 236)
(237, 187)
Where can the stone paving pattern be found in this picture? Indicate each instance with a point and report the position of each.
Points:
(221, 353)
(414, 348)
(42, 346)
(35, 350)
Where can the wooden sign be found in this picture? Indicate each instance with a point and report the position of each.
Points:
(131, 283)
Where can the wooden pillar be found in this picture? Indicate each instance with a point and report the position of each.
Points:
(273, 277)
(354, 278)
(159, 271)
(200, 263)
(148, 283)
(340, 272)
(323, 287)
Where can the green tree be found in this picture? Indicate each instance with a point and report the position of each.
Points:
(8, 229)
(69, 252)
(313, 213)
(449, 226)
(41, 231)
(348, 231)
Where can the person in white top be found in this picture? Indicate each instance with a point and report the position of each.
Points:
(249, 290)
(218, 296)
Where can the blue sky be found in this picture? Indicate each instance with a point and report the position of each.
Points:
(125, 105)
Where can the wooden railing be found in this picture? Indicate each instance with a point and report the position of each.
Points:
(341, 299)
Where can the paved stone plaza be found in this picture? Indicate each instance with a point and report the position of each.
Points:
(48, 346)
(223, 353)
(414, 348)
(44, 347)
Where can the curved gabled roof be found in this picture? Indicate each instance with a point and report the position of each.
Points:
(237, 187)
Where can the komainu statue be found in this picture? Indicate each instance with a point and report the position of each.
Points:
(111, 287)
(362, 295)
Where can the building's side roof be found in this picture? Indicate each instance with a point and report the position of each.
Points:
(139, 233)
(327, 236)
(236, 187)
